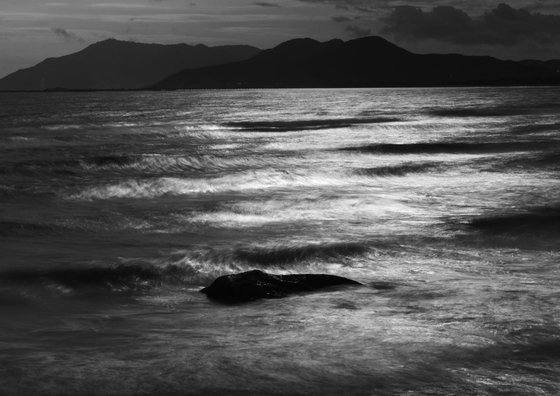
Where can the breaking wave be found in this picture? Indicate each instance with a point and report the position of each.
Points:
(144, 164)
(285, 255)
(180, 186)
(157, 164)
(181, 269)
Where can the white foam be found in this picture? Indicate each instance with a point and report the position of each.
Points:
(63, 127)
(369, 207)
(252, 180)
(171, 163)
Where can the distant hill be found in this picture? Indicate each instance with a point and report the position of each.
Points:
(364, 62)
(113, 64)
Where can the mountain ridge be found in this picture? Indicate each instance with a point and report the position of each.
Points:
(115, 64)
(364, 62)
(297, 63)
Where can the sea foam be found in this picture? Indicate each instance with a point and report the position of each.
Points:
(253, 180)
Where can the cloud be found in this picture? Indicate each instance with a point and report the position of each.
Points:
(358, 31)
(266, 4)
(363, 6)
(538, 5)
(502, 25)
(472, 7)
(369, 6)
(341, 19)
(66, 35)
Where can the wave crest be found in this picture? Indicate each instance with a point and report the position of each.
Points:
(180, 269)
(286, 255)
(179, 186)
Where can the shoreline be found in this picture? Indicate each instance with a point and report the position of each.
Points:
(254, 88)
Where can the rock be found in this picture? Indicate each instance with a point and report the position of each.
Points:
(253, 285)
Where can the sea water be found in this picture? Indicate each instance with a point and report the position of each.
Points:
(117, 207)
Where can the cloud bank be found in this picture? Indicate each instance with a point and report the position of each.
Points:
(503, 25)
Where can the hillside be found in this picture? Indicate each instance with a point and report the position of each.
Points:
(365, 62)
(113, 64)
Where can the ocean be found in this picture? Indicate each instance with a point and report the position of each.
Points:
(116, 208)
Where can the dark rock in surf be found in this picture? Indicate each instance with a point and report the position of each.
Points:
(253, 285)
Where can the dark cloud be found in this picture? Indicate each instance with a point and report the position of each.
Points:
(266, 4)
(341, 19)
(356, 5)
(546, 5)
(503, 25)
(66, 35)
(364, 9)
(369, 6)
(358, 31)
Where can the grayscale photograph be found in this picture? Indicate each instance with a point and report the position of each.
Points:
(279, 197)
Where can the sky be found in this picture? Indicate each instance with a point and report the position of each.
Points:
(32, 30)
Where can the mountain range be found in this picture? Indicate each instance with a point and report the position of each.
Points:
(113, 64)
(364, 62)
(299, 63)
